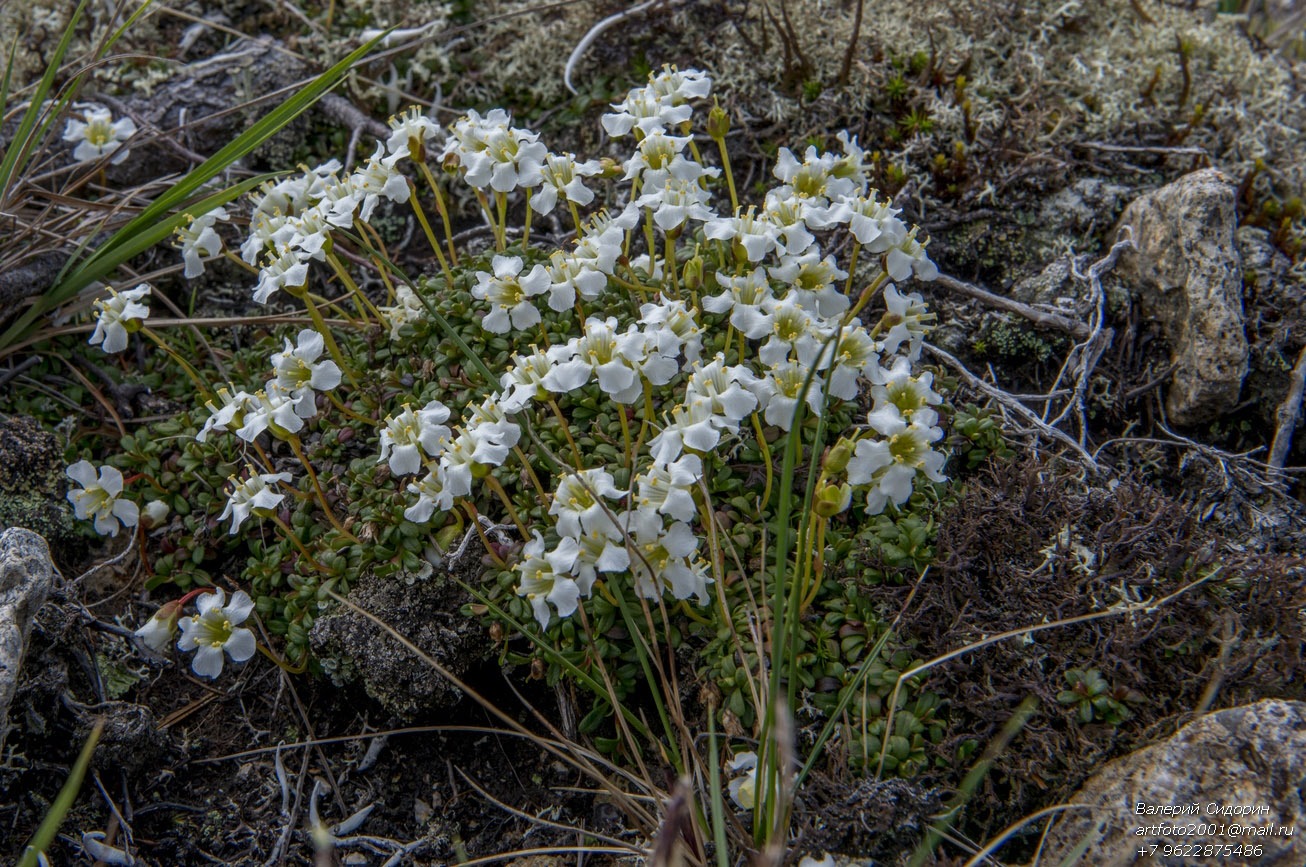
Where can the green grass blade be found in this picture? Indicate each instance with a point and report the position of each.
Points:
(44, 835)
(20, 146)
(715, 795)
(99, 266)
(117, 34)
(9, 73)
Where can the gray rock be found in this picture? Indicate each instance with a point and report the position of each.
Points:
(26, 572)
(352, 648)
(1083, 208)
(1187, 273)
(1243, 758)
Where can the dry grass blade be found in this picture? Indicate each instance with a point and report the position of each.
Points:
(575, 758)
(1146, 607)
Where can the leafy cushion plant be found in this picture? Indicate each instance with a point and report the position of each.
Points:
(676, 428)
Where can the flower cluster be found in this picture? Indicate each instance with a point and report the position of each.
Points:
(648, 321)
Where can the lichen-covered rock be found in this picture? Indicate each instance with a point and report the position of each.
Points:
(1186, 272)
(25, 575)
(32, 482)
(352, 648)
(1243, 766)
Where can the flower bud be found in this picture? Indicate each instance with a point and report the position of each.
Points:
(718, 123)
(610, 168)
(154, 514)
(450, 164)
(692, 274)
(158, 631)
(836, 460)
(832, 499)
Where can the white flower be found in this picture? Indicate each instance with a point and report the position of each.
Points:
(600, 242)
(569, 275)
(508, 158)
(264, 232)
(668, 488)
(812, 182)
(746, 297)
(100, 135)
(524, 381)
(158, 631)
(603, 353)
(199, 238)
(677, 86)
(465, 457)
(692, 427)
(646, 109)
(489, 420)
(376, 179)
(412, 130)
(853, 164)
(300, 374)
(675, 201)
(409, 309)
(215, 630)
(661, 156)
(509, 295)
(675, 327)
(812, 280)
(909, 394)
(120, 314)
(873, 223)
(756, 234)
(909, 257)
(252, 495)
(723, 389)
(270, 408)
(743, 788)
(230, 414)
(796, 335)
(561, 175)
(857, 355)
(890, 465)
(600, 550)
(909, 320)
(307, 233)
(410, 434)
(662, 559)
(545, 579)
(781, 389)
(154, 513)
(431, 495)
(285, 270)
(576, 509)
(99, 498)
(790, 214)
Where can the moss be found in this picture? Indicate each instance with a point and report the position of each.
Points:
(32, 483)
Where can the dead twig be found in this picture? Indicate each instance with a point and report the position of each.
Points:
(1287, 413)
(1043, 318)
(1010, 402)
(1084, 356)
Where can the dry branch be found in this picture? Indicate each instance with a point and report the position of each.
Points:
(1043, 318)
